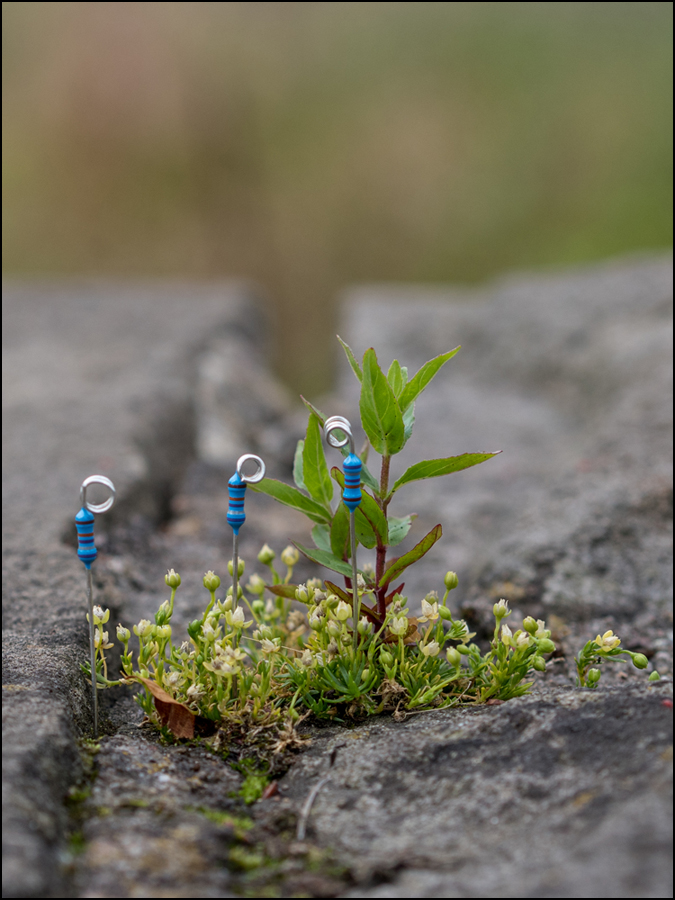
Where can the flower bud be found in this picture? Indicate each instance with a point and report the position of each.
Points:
(530, 625)
(451, 580)
(501, 609)
(163, 632)
(194, 629)
(144, 628)
(289, 556)
(241, 565)
(258, 606)
(256, 585)
(240, 592)
(640, 661)
(546, 645)
(301, 594)
(334, 628)
(445, 613)
(211, 582)
(172, 579)
(593, 677)
(364, 625)
(343, 611)
(453, 656)
(226, 604)
(398, 625)
(463, 649)
(538, 663)
(365, 675)
(163, 614)
(507, 637)
(654, 676)
(123, 634)
(266, 555)
(386, 658)
(431, 649)
(236, 618)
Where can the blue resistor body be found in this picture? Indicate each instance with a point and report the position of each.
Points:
(352, 493)
(236, 488)
(84, 522)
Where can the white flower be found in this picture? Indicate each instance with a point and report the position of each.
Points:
(101, 615)
(209, 631)
(144, 628)
(101, 640)
(608, 641)
(236, 619)
(343, 612)
(307, 659)
(429, 611)
(270, 646)
(501, 609)
(507, 636)
(172, 679)
(289, 556)
(542, 631)
(360, 582)
(398, 625)
(431, 649)
(522, 639)
(123, 634)
(196, 692)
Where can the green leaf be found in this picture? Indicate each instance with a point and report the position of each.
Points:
(395, 378)
(370, 520)
(339, 533)
(297, 466)
(432, 468)
(321, 537)
(399, 528)
(283, 590)
(422, 378)
(329, 560)
(409, 421)
(314, 469)
(310, 406)
(290, 496)
(380, 413)
(398, 565)
(352, 359)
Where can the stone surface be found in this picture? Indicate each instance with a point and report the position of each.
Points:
(562, 793)
(97, 378)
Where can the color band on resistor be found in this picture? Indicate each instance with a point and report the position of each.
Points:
(352, 465)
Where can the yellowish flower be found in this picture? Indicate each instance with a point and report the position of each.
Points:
(429, 612)
(608, 641)
(431, 649)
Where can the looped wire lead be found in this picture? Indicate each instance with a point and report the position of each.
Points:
(339, 423)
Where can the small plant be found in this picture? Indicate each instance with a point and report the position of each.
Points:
(605, 648)
(254, 667)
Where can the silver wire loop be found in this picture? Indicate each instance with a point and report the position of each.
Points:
(97, 507)
(339, 423)
(251, 479)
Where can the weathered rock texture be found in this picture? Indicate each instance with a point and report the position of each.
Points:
(564, 793)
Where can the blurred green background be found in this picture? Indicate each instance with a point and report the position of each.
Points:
(307, 146)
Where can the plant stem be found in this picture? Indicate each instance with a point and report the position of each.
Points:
(382, 548)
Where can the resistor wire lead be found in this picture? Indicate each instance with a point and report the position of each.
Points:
(351, 495)
(87, 552)
(236, 489)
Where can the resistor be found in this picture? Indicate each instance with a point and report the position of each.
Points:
(236, 489)
(84, 523)
(351, 494)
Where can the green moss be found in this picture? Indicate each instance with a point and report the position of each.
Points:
(245, 860)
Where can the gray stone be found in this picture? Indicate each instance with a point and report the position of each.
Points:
(562, 793)
(97, 378)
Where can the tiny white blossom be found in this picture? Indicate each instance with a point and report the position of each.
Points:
(398, 625)
(270, 646)
(196, 691)
(431, 649)
(360, 582)
(343, 612)
(429, 611)
(507, 636)
(522, 639)
(501, 609)
(608, 641)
